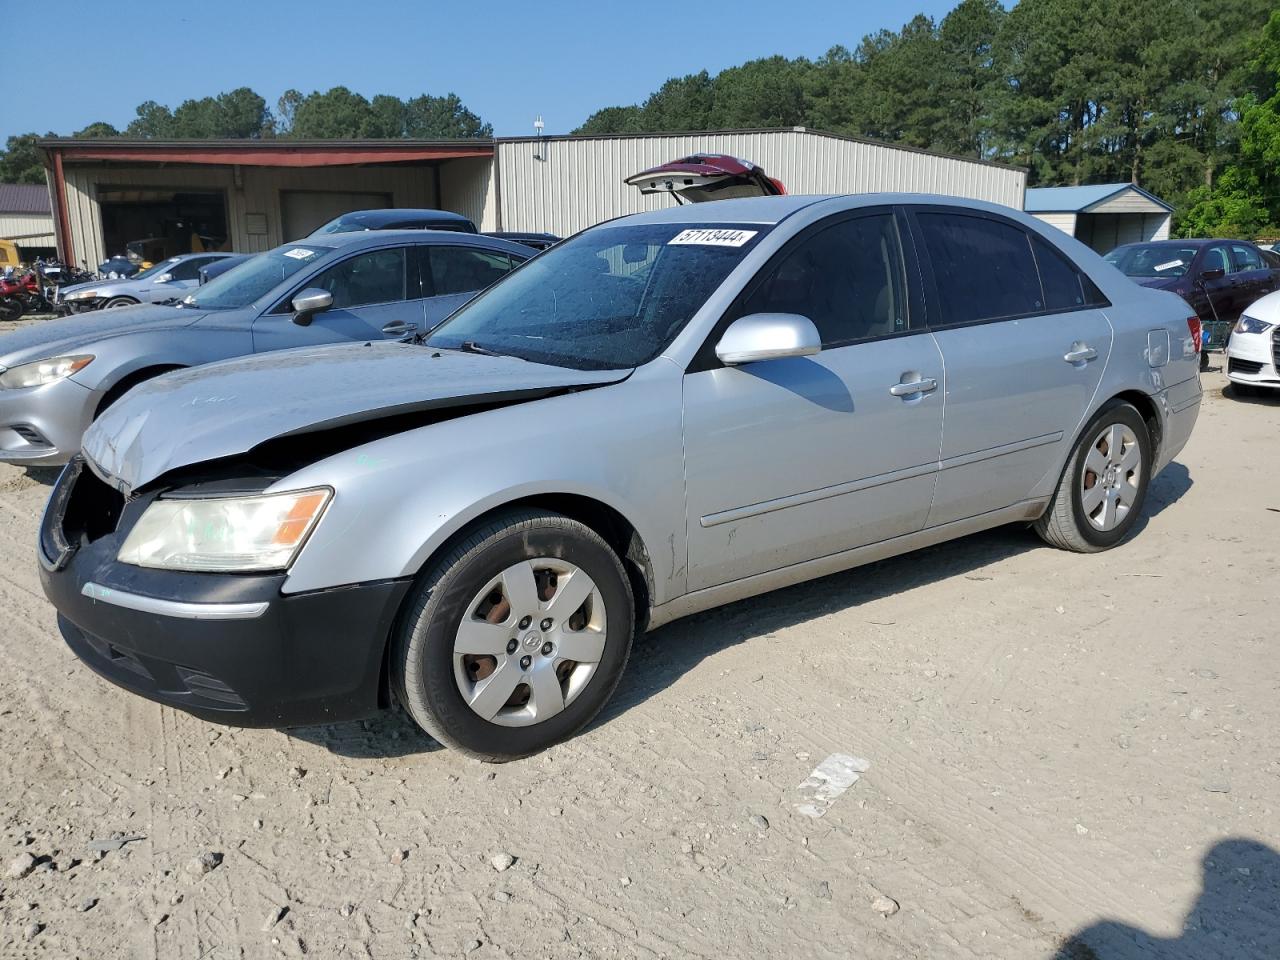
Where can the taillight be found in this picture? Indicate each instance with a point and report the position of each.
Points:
(1196, 329)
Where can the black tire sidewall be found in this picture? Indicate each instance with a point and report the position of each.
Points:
(1114, 413)
(433, 683)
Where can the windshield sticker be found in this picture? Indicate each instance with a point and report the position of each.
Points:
(1169, 265)
(299, 254)
(713, 238)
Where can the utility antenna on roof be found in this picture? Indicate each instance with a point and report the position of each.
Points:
(537, 128)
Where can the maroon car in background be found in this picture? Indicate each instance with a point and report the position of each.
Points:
(1219, 278)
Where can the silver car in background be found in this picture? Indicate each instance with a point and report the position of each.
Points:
(662, 414)
(170, 279)
(55, 378)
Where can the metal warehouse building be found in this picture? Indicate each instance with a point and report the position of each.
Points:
(251, 195)
(1103, 215)
(27, 219)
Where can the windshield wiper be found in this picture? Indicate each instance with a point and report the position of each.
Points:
(470, 346)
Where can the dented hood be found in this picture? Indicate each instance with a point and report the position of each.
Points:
(228, 408)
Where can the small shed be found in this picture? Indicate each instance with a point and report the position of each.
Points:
(1102, 215)
(26, 218)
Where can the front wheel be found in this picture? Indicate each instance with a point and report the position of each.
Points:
(516, 637)
(116, 302)
(10, 309)
(1101, 493)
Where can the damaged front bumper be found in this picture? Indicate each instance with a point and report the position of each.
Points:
(226, 647)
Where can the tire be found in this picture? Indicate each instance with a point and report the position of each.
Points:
(119, 302)
(1204, 359)
(434, 680)
(10, 309)
(1069, 523)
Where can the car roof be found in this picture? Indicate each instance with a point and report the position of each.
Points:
(773, 210)
(384, 238)
(389, 214)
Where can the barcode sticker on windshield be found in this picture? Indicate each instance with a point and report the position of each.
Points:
(1169, 265)
(299, 254)
(713, 238)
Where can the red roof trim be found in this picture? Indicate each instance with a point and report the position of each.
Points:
(272, 156)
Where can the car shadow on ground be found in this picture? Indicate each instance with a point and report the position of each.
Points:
(1235, 915)
(45, 476)
(662, 657)
(1262, 397)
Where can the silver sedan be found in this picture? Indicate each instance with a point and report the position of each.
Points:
(56, 377)
(665, 413)
(167, 280)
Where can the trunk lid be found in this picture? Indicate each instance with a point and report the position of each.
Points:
(707, 176)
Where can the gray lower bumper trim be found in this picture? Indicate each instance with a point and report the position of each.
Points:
(174, 608)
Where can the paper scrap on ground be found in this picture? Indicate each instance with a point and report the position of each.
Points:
(832, 777)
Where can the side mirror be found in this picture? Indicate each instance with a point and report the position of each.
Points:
(308, 303)
(163, 278)
(1213, 274)
(768, 336)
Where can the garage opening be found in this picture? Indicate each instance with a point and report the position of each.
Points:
(302, 211)
(149, 224)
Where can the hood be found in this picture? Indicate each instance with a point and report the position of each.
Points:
(707, 176)
(228, 408)
(107, 286)
(73, 333)
(1158, 283)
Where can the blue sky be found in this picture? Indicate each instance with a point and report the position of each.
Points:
(507, 61)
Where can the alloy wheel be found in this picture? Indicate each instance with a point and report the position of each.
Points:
(529, 642)
(1112, 476)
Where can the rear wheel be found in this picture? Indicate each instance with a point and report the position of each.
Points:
(1101, 493)
(10, 309)
(516, 637)
(115, 302)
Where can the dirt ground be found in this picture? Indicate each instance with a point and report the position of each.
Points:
(1069, 756)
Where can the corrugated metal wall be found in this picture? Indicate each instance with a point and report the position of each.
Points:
(466, 187)
(259, 193)
(36, 230)
(579, 182)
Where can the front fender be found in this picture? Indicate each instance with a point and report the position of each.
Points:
(397, 500)
(118, 357)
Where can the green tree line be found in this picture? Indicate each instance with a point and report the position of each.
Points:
(243, 114)
(1178, 96)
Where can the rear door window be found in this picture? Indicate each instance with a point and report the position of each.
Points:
(1066, 286)
(983, 269)
(1245, 257)
(463, 269)
(847, 278)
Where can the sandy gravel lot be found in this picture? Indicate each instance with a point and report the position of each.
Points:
(1070, 756)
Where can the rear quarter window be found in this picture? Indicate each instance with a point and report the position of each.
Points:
(983, 269)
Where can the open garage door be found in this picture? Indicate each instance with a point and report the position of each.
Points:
(153, 223)
(301, 211)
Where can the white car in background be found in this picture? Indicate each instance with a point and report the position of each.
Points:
(1253, 352)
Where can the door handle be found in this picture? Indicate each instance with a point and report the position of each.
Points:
(1080, 353)
(924, 385)
(399, 328)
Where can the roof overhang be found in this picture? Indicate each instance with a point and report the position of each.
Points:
(266, 153)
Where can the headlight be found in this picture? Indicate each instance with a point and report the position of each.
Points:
(82, 295)
(43, 371)
(1251, 325)
(232, 534)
